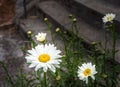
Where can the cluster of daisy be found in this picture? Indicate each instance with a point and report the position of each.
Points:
(44, 56)
(47, 56)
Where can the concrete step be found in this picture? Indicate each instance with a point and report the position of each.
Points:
(59, 16)
(54, 11)
(93, 11)
(115, 2)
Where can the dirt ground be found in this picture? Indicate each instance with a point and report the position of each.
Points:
(7, 10)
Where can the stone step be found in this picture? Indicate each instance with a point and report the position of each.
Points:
(59, 16)
(115, 2)
(93, 11)
(36, 25)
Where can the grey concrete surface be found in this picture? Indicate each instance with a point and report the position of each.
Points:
(102, 7)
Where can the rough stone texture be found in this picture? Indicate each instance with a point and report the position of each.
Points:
(10, 44)
(115, 2)
(59, 14)
(10, 52)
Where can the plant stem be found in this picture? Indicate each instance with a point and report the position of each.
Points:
(50, 29)
(45, 84)
(114, 43)
(6, 71)
(113, 52)
(104, 56)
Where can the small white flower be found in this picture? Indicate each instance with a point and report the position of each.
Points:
(108, 17)
(85, 71)
(41, 37)
(44, 57)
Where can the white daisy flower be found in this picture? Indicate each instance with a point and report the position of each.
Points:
(41, 37)
(86, 70)
(108, 17)
(45, 57)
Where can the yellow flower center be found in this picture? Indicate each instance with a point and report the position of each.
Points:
(87, 72)
(44, 58)
(109, 18)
